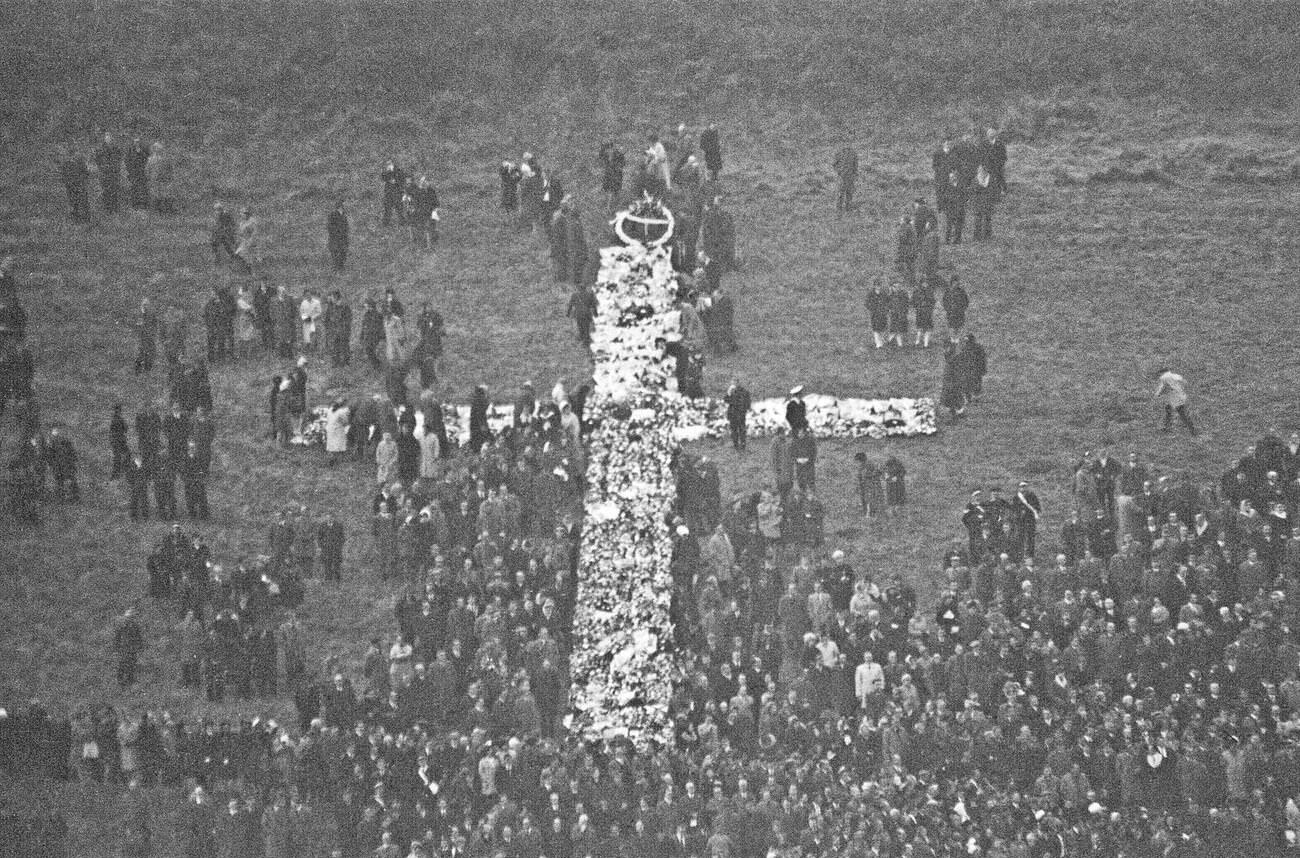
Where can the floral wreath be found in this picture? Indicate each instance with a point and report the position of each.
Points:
(645, 212)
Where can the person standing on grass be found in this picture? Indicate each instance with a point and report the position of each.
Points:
(845, 166)
(223, 233)
(951, 395)
(984, 195)
(336, 235)
(878, 311)
(193, 471)
(711, 146)
(927, 252)
(923, 302)
(159, 172)
(108, 162)
(955, 304)
(422, 213)
(75, 173)
(993, 156)
(298, 394)
(613, 164)
(62, 458)
(895, 485)
(871, 492)
(1172, 391)
(394, 181)
(952, 205)
(137, 159)
(582, 309)
(510, 177)
(944, 162)
(245, 322)
(118, 443)
(248, 253)
(372, 332)
(146, 327)
(284, 316)
(738, 401)
(898, 304)
(330, 537)
(310, 311)
(338, 329)
(973, 361)
(905, 248)
(128, 643)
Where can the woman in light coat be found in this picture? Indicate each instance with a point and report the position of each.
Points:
(336, 431)
(430, 452)
(386, 460)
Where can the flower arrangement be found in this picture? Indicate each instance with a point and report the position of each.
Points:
(313, 429)
(828, 416)
(622, 666)
(646, 223)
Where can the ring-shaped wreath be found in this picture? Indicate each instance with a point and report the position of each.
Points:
(665, 219)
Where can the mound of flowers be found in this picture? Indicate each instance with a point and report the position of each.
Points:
(623, 668)
(828, 416)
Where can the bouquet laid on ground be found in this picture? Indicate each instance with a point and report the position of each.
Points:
(828, 416)
(313, 429)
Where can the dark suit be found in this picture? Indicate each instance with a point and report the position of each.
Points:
(738, 402)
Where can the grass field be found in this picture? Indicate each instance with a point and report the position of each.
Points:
(1094, 280)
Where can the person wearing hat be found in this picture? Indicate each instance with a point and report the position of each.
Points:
(336, 234)
(223, 234)
(128, 643)
(796, 411)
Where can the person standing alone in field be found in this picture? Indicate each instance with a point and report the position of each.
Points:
(337, 235)
(1172, 391)
(846, 168)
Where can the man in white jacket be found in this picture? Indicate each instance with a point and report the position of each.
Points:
(869, 683)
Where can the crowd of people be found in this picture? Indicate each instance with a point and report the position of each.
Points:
(1065, 709)
(1137, 695)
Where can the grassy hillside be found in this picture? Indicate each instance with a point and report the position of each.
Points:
(223, 72)
(1153, 218)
